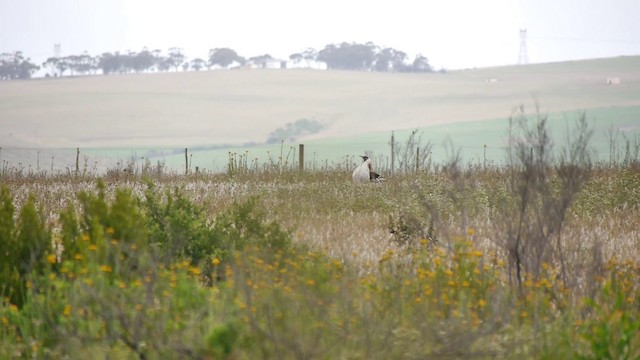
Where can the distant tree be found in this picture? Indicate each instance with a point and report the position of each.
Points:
(157, 58)
(224, 57)
(308, 54)
(81, 64)
(260, 59)
(109, 63)
(176, 57)
(389, 59)
(294, 130)
(197, 64)
(51, 64)
(348, 56)
(185, 66)
(421, 64)
(25, 68)
(296, 57)
(143, 61)
(164, 64)
(15, 66)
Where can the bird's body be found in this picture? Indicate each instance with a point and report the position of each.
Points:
(363, 173)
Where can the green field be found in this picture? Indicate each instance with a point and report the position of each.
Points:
(155, 116)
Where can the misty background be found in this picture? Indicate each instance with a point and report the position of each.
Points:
(452, 35)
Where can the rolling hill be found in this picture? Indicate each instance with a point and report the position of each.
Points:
(157, 115)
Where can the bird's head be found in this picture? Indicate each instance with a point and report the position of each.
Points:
(364, 157)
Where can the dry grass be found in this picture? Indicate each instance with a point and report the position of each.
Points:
(203, 108)
(351, 222)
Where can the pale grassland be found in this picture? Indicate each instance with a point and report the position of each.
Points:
(234, 107)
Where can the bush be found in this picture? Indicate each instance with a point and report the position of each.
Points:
(23, 249)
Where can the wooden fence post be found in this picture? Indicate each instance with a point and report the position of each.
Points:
(392, 152)
(77, 161)
(301, 158)
(186, 161)
(484, 163)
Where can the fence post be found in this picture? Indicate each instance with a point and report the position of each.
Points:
(186, 161)
(77, 161)
(484, 164)
(301, 158)
(392, 152)
(417, 159)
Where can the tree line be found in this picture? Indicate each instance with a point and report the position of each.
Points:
(16, 66)
(343, 56)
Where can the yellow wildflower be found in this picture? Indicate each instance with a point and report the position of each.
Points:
(448, 272)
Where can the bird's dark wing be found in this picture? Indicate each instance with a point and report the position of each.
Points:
(373, 175)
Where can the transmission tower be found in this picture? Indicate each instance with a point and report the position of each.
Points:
(523, 58)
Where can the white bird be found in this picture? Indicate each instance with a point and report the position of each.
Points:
(364, 172)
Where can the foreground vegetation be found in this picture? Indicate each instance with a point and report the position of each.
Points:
(534, 260)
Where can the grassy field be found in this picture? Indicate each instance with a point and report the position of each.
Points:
(288, 265)
(536, 258)
(120, 118)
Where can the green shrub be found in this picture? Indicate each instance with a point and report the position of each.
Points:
(612, 330)
(23, 249)
(222, 340)
(178, 227)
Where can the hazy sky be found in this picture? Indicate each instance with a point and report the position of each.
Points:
(450, 33)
